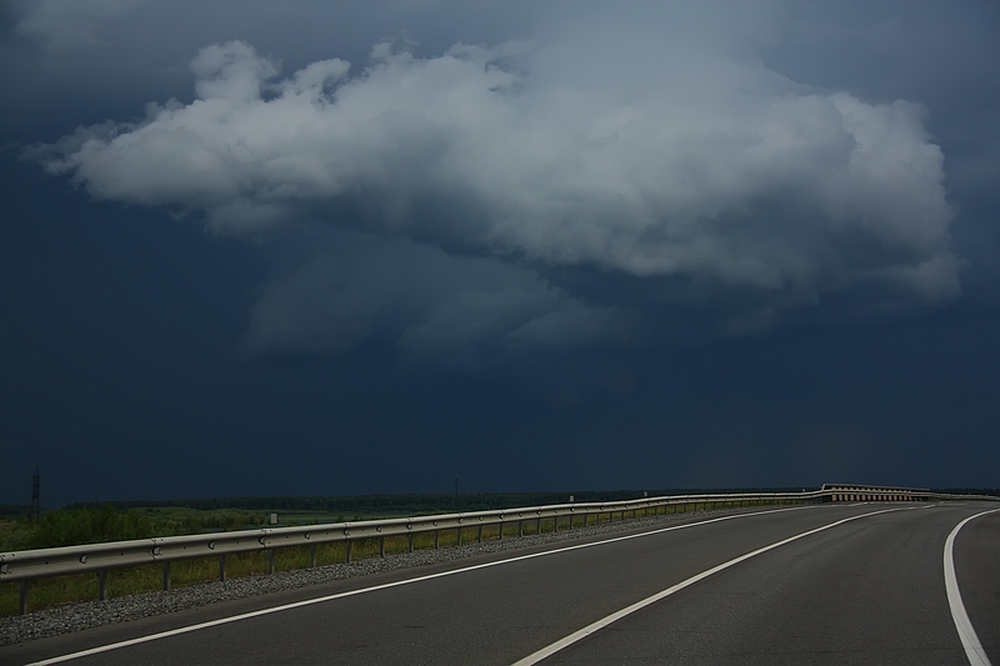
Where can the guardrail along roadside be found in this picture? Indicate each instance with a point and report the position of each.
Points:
(28, 565)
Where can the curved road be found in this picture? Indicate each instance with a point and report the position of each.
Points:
(829, 584)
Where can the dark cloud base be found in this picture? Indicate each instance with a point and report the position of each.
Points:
(672, 245)
(138, 391)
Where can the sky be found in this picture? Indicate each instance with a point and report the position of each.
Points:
(336, 248)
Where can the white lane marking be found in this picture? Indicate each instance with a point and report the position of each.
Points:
(973, 648)
(579, 635)
(340, 595)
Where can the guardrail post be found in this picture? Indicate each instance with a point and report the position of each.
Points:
(270, 560)
(381, 546)
(312, 555)
(166, 575)
(102, 584)
(437, 539)
(409, 542)
(479, 534)
(501, 529)
(555, 523)
(520, 528)
(222, 568)
(22, 602)
(458, 537)
(347, 550)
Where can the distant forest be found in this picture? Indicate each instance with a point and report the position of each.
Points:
(407, 504)
(92, 522)
(381, 504)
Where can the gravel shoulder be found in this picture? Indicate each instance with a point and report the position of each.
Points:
(90, 614)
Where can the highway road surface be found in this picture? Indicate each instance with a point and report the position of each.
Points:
(822, 584)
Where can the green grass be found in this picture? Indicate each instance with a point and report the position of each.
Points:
(50, 592)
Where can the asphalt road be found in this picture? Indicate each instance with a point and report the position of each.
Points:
(869, 590)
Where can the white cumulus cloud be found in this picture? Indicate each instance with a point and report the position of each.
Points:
(708, 172)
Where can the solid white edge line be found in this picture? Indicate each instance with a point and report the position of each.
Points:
(970, 641)
(350, 593)
(579, 635)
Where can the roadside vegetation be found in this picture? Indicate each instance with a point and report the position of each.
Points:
(69, 527)
(74, 526)
(83, 523)
(49, 592)
(92, 523)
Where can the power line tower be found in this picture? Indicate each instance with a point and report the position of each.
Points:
(35, 510)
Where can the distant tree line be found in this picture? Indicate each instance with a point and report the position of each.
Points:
(405, 504)
(116, 521)
(13, 510)
(995, 492)
(73, 526)
(367, 504)
(413, 503)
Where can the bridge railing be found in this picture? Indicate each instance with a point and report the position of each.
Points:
(27, 565)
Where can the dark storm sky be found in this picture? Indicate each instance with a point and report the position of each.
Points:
(342, 248)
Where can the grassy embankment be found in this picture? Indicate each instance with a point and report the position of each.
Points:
(86, 524)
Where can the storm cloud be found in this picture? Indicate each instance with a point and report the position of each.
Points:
(543, 245)
(708, 177)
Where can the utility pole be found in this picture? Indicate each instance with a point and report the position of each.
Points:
(35, 510)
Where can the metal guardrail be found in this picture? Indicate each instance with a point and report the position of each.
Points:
(27, 565)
